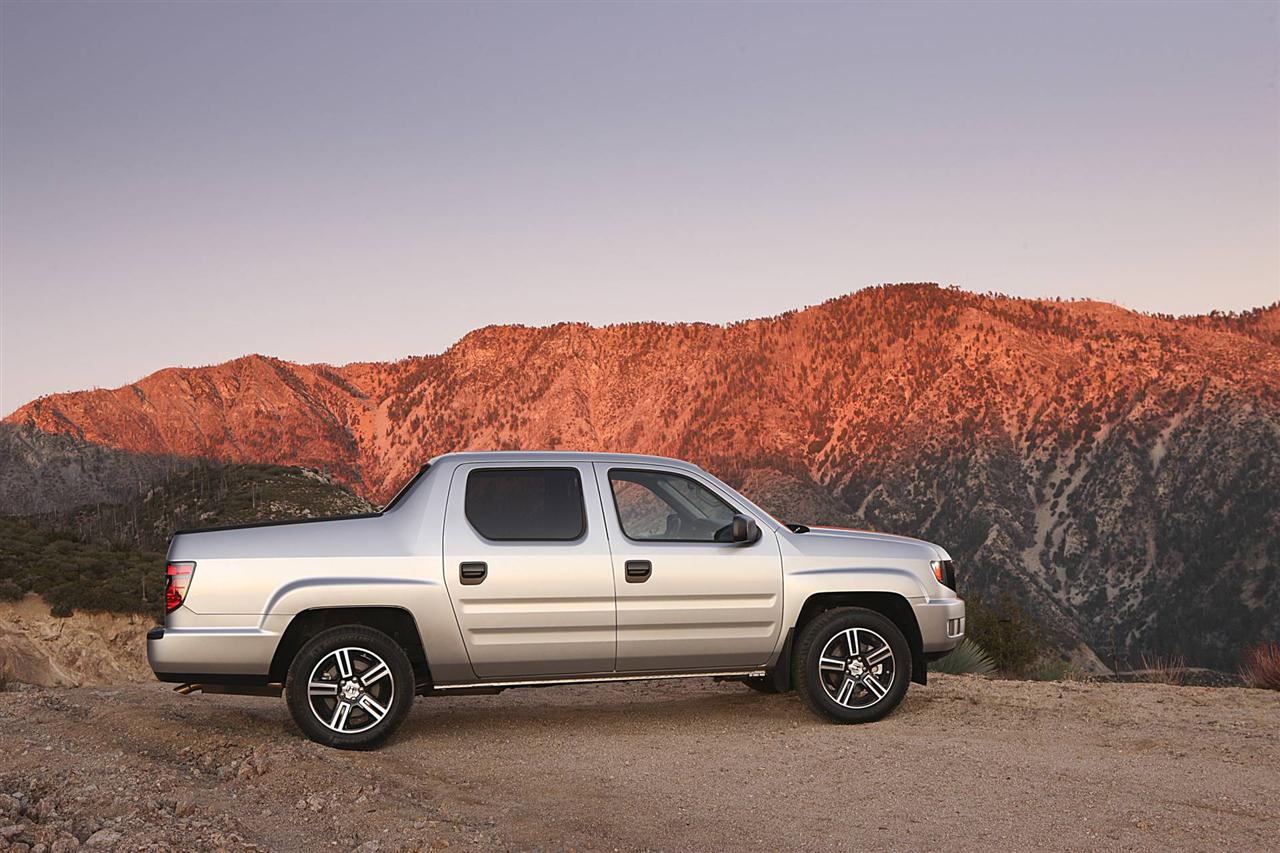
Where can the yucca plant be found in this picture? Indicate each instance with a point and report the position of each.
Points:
(1261, 667)
(968, 658)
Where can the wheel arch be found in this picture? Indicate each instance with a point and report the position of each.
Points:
(892, 605)
(392, 620)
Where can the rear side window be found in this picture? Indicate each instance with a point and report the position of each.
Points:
(529, 504)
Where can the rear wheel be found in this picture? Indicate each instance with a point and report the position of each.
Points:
(350, 687)
(852, 665)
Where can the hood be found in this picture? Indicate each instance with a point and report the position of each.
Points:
(829, 539)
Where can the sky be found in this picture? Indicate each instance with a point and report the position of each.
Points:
(185, 183)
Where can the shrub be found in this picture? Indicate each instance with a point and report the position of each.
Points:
(1164, 669)
(1261, 667)
(10, 591)
(1006, 632)
(74, 574)
(1057, 669)
(968, 658)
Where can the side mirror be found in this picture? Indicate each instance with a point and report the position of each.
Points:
(745, 530)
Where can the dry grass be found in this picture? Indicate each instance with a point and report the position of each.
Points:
(1261, 667)
(1057, 669)
(1164, 669)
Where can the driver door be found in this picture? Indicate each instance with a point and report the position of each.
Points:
(686, 601)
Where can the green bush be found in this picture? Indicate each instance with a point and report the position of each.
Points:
(968, 658)
(73, 574)
(1007, 633)
(10, 591)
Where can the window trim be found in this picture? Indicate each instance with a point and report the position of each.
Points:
(582, 503)
(617, 513)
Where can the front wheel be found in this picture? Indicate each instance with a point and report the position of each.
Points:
(852, 665)
(350, 687)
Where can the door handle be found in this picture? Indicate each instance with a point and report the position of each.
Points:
(638, 571)
(471, 574)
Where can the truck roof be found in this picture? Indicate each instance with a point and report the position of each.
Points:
(559, 456)
(467, 457)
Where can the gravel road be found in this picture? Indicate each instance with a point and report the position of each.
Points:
(965, 764)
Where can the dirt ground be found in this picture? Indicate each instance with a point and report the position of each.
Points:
(965, 764)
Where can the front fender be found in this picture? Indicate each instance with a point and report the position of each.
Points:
(857, 579)
(803, 584)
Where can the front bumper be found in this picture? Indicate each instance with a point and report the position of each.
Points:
(941, 622)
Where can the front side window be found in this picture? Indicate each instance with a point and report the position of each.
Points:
(657, 506)
(529, 504)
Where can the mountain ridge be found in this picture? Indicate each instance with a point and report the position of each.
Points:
(1075, 454)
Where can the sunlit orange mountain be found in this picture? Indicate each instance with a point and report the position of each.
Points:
(1118, 472)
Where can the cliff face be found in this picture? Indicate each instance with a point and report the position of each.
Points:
(1115, 472)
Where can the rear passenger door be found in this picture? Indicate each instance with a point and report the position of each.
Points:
(527, 565)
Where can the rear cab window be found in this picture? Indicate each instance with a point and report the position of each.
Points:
(526, 504)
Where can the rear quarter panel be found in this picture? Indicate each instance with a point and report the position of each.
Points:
(250, 582)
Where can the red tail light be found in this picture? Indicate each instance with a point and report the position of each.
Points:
(177, 577)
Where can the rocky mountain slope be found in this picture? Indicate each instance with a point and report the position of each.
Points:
(1114, 472)
(41, 471)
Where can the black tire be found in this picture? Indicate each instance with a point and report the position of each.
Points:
(365, 649)
(822, 687)
(761, 684)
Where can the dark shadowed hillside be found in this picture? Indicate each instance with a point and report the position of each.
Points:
(42, 471)
(110, 556)
(1114, 472)
(208, 495)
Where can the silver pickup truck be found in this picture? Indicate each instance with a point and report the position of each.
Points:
(497, 570)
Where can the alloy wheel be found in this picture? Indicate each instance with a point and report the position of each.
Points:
(350, 690)
(856, 668)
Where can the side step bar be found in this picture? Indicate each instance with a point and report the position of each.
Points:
(478, 687)
(594, 679)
